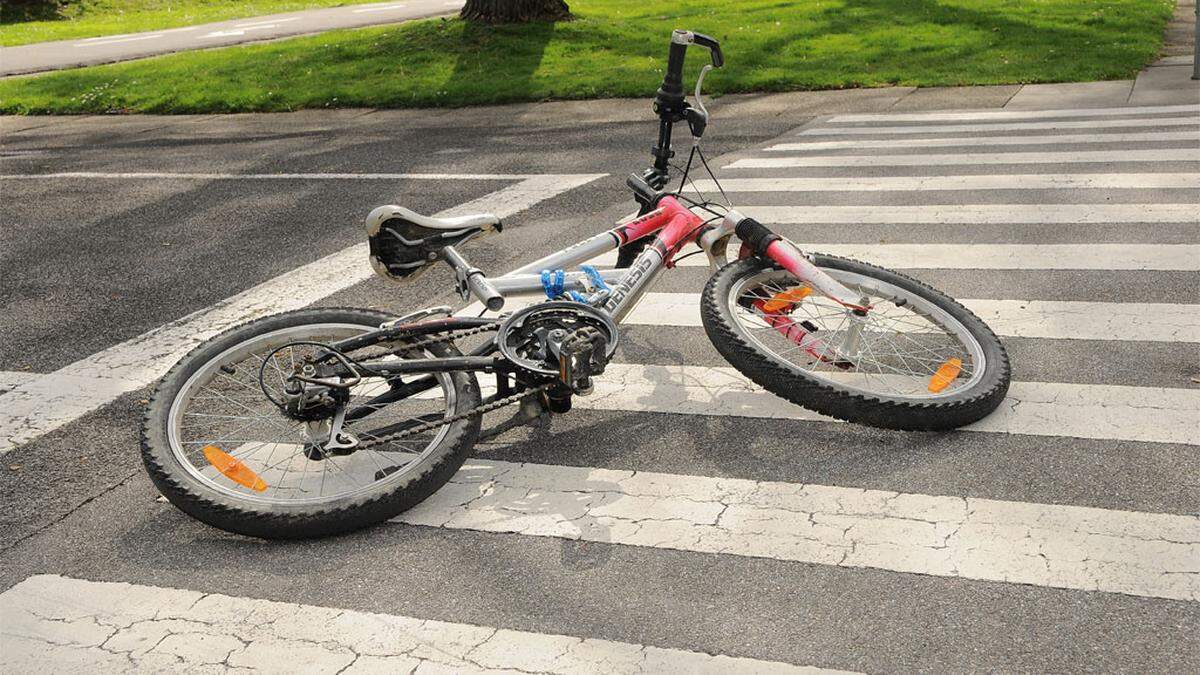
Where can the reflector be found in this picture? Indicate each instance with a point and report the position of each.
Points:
(784, 300)
(233, 469)
(944, 375)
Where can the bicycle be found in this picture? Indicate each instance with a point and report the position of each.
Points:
(321, 421)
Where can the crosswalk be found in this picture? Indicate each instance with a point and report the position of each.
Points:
(1074, 255)
(984, 178)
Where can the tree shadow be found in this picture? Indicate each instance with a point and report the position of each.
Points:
(21, 11)
(516, 50)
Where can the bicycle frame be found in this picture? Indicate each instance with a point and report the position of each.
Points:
(670, 223)
(675, 227)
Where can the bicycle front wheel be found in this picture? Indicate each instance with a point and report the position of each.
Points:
(917, 361)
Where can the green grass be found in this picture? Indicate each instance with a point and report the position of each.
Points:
(618, 48)
(91, 18)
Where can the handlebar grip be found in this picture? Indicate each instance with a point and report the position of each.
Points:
(672, 85)
(718, 59)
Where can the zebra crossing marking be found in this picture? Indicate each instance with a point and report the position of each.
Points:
(1052, 409)
(976, 141)
(980, 214)
(988, 115)
(63, 396)
(11, 379)
(1034, 181)
(1047, 319)
(50, 623)
(1158, 257)
(978, 158)
(1143, 554)
(1189, 121)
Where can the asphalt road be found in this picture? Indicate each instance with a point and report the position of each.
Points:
(97, 258)
(43, 56)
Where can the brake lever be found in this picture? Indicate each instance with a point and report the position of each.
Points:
(698, 118)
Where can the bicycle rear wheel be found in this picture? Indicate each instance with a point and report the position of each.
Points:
(218, 447)
(916, 361)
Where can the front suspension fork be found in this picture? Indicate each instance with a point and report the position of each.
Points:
(757, 239)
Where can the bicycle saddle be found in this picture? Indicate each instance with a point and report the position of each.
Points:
(403, 242)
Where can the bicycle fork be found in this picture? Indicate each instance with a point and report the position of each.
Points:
(758, 240)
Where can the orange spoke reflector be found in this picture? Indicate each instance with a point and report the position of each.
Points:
(233, 469)
(945, 375)
(784, 300)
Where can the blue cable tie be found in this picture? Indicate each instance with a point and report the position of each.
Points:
(578, 297)
(594, 275)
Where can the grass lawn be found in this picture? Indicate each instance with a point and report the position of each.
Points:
(618, 48)
(89, 18)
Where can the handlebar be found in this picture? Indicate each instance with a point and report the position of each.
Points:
(670, 94)
(670, 103)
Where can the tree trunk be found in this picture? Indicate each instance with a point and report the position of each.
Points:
(514, 11)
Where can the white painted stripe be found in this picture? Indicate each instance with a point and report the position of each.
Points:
(981, 214)
(1006, 126)
(140, 175)
(1160, 257)
(63, 396)
(1143, 554)
(267, 23)
(119, 36)
(1064, 320)
(1163, 257)
(1034, 181)
(1054, 409)
(11, 379)
(383, 8)
(108, 37)
(233, 32)
(57, 624)
(989, 115)
(137, 38)
(1063, 157)
(1047, 319)
(978, 141)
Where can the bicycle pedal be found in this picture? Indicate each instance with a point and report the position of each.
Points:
(582, 355)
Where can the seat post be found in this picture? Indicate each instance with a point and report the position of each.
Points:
(471, 280)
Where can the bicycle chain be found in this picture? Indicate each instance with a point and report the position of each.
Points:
(477, 410)
(453, 335)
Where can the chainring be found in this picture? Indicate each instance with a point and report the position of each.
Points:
(524, 337)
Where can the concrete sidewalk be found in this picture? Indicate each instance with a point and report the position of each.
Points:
(44, 56)
(1166, 83)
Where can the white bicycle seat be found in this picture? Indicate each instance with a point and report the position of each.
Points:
(484, 221)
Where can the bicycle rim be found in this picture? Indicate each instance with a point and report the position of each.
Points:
(222, 406)
(907, 348)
